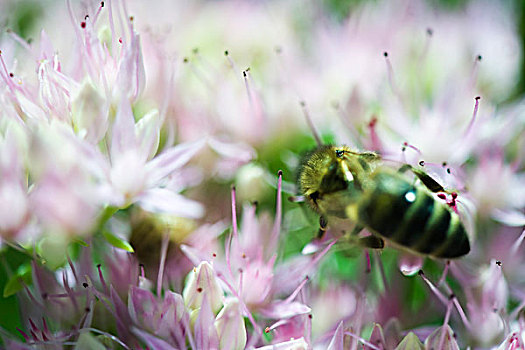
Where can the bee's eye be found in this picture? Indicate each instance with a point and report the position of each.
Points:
(339, 153)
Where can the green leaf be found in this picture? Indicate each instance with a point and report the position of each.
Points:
(118, 242)
(18, 280)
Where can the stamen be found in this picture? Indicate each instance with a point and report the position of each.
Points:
(433, 288)
(278, 212)
(474, 115)
(69, 291)
(297, 290)
(390, 72)
(240, 280)
(163, 254)
(376, 144)
(231, 62)
(406, 144)
(142, 273)
(474, 72)
(101, 277)
(249, 92)
(310, 123)
(461, 313)
(428, 40)
(275, 325)
(95, 17)
(444, 274)
(73, 270)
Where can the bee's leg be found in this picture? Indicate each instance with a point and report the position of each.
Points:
(426, 179)
(322, 227)
(371, 242)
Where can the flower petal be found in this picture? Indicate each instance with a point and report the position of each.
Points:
(162, 200)
(282, 309)
(152, 341)
(123, 135)
(170, 160)
(509, 217)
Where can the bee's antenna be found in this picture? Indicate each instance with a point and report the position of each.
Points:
(315, 133)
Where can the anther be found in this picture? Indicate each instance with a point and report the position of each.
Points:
(87, 309)
(131, 18)
(385, 54)
(11, 75)
(479, 58)
(199, 290)
(185, 60)
(85, 285)
(82, 24)
(86, 17)
(102, 4)
(280, 173)
(421, 163)
(430, 31)
(498, 263)
(226, 53)
(444, 164)
(448, 171)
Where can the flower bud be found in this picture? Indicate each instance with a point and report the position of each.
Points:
(203, 282)
(230, 326)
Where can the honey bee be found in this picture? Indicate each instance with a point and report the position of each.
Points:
(340, 184)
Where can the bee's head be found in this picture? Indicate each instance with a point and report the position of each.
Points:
(324, 170)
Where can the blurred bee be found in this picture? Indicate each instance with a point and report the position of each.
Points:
(340, 184)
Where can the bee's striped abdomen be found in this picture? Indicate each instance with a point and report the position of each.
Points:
(409, 216)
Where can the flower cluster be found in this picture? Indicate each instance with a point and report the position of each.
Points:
(132, 133)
